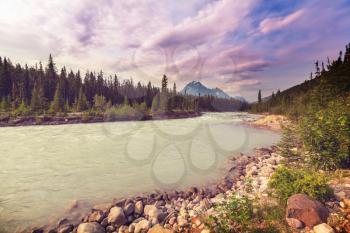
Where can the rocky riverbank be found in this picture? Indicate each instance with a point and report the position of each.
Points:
(78, 118)
(178, 211)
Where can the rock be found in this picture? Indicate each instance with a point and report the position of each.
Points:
(129, 209)
(116, 216)
(104, 222)
(65, 228)
(123, 229)
(142, 225)
(181, 221)
(132, 227)
(139, 207)
(154, 212)
(323, 228)
(172, 220)
(347, 202)
(340, 195)
(91, 227)
(308, 211)
(96, 216)
(158, 229)
(295, 223)
(110, 229)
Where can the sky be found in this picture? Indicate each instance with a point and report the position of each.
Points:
(238, 46)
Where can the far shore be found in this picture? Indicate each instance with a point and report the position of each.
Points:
(77, 118)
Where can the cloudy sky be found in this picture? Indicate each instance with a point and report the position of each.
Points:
(239, 46)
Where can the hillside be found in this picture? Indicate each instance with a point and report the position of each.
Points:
(330, 82)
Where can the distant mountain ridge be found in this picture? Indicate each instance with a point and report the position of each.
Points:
(196, 88)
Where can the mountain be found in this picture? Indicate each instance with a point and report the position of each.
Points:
(197, 88)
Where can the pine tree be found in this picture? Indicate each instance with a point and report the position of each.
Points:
(164, 83)
(259, 97)
(36, 103)
(81, 102)
(58, 102)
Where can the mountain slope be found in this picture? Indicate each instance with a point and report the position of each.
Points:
(331, 83)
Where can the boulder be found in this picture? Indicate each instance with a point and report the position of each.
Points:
(307, 210)
(91, 227)
(116, 216)
(142, 225)
(323, 228)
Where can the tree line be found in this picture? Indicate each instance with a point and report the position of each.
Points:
(43, 90)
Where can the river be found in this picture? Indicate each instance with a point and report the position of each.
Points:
(44, 168)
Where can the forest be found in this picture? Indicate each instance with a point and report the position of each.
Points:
(39, 90)
(320, 110)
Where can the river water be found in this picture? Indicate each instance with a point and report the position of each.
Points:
(44, 168)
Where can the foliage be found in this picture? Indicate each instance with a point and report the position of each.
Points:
(287, 182)
(22, 110)
(233, 216)
(326, 134)
(124, 112)
(289, 141)
(100, 102)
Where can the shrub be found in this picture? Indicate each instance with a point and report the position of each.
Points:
(287, 182)
(22, 110)
(233, 216)
(122, 112)
(326, 134)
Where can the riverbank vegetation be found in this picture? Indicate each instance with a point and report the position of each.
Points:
(43, 91)
(315, 146)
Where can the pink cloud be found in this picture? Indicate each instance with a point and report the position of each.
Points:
(272, 24)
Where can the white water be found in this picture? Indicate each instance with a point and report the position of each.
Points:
(44, 168)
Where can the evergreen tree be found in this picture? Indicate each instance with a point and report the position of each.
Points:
(164, 83)
(81, 103)
(259, 96)
(36, 103)
(58, 102)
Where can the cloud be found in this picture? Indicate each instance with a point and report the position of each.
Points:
(224, 43)
(271, 24)
(215, 20)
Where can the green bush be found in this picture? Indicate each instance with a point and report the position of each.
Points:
(22, 110)
(326, 134)
(287, 182)
(235, 215)
(123, 112)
